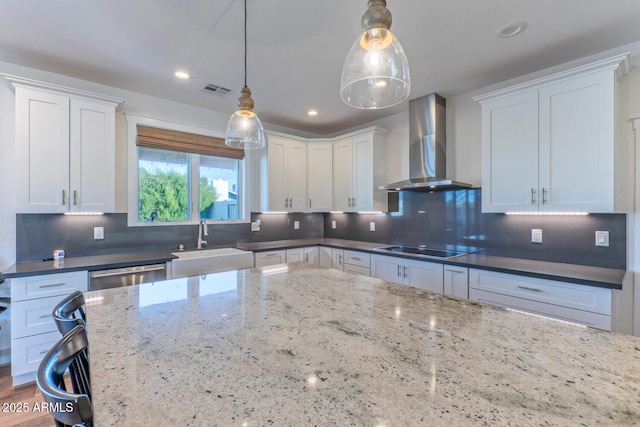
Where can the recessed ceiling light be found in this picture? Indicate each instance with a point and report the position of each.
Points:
(181, 75)
(512, 29)
(312, 113)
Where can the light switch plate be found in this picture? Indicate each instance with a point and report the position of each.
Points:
(372, 226)
(602, 238)
(98, 233)
(296, 225)
(536, 235)
(333, 225)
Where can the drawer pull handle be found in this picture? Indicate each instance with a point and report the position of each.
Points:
(527, 288)
(42, 316)
(53, 285)
(455, 271)
(272, 254)
(356, 258)
(44, 351)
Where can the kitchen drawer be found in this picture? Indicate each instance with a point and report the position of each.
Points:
(263, 259)
(579, 297)
(24, 288)
(27, 353)
(361, 259)
(356, 269)
(33, 317)
(588, 318)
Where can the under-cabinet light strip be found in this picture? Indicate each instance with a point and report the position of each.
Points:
(549, 213)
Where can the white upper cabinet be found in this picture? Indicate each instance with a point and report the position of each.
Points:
(553, 144)
(325, 174)
(65, 149)
(320, 177)
(359, 167)
(287, 175)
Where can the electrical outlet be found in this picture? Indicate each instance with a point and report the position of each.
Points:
(255, 226)
(333, 225)
(296, 225)
(536, 235)
(372, 226)
(98, 233)
(602, 238)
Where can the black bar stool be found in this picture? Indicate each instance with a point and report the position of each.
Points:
(67, 408)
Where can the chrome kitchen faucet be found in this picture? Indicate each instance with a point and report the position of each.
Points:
(202, 230)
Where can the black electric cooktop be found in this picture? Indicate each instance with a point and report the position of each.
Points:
(423, 251)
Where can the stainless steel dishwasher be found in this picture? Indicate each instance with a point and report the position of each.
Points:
(126, 276)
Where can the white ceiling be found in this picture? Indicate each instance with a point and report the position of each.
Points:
(297, 47)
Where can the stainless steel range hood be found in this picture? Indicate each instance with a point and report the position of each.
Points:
(427, 148)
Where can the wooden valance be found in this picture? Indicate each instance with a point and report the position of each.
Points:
(185, 142)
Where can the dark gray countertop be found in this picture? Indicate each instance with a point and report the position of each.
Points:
(573, 273)
(90, 263)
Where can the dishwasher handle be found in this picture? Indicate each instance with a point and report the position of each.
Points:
(127, 270)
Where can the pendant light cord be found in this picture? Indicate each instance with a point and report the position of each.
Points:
(245, 43)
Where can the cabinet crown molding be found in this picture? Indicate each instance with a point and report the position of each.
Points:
(620, 64)
(15, 81)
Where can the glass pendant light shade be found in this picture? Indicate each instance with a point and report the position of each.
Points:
(244, 129)
(376, 71)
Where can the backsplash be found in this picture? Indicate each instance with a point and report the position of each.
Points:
(39, 234)
(454, 219)
(450, 219)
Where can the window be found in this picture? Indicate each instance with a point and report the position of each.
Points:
(183, 178)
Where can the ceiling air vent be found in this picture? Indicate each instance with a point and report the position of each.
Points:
(219, 90)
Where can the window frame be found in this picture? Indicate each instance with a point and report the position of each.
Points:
(193, 171)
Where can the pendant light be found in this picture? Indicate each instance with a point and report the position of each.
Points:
(376, 71)
(244, 129)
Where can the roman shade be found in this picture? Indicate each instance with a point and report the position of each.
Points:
(185, 142)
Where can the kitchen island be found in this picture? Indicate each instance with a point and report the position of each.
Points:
(301, 345)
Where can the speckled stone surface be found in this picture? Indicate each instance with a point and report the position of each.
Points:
(298, 345)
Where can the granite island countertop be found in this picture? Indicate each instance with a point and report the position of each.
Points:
(301, 345)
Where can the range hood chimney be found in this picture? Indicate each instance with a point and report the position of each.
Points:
(427, 148)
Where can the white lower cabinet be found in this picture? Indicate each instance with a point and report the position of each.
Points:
(294, 255)
(349, 261)
(33, 330)
(456, 281)
(324, 256)
(337, 259)
(311, 255)
(583, 304)
(263, 259)
(419, 274)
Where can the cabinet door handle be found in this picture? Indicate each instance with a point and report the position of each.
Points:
(64, 197)
(309, 203)
(44, 351)
(45, 315)
(52, 285)
(533, 196)
(527, 288)
(399, 274)
(349, 201)
(286, 202)
(291, 202)
(306, 257)
(75, 197)
(455, 271)
(404, 269)
(354, 202)
(544, 196)
(272, 254)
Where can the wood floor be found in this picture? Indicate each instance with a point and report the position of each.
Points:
(25, 396)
